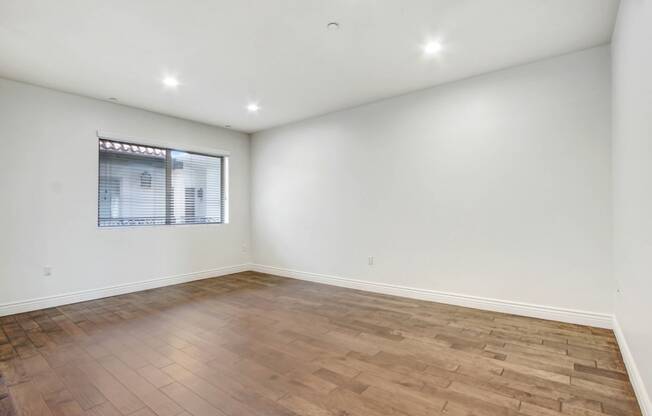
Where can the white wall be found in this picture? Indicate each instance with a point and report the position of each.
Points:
(496, 186)
(632, 182)
(48, 198)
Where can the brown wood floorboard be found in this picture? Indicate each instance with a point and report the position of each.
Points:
(257, 344)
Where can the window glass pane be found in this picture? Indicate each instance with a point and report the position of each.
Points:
(131, 185)
(196, 188)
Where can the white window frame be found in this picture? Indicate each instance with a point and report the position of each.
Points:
(208, 151)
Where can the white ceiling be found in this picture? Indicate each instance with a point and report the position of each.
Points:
(227, 53)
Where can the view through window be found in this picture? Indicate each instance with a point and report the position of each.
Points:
(145, 185)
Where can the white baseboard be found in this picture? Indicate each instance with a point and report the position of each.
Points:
(517, 308)
(84, 295)
(600, 320)
(634, 375)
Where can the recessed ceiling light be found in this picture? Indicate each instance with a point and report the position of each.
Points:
(253, 107)
(333, 26)
(112, 99)
(170, 82)
(432, 47)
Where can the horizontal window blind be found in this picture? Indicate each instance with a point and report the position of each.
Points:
(145, 185)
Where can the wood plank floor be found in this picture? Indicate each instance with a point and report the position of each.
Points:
(255, 344)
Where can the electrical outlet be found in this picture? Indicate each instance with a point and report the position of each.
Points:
(47, 270)
(244, 248)
(370, 260)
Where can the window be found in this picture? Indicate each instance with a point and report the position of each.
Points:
(145, 185)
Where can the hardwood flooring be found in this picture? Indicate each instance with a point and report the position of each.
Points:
(255, 344)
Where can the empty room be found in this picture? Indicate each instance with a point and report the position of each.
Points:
(326, 208)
